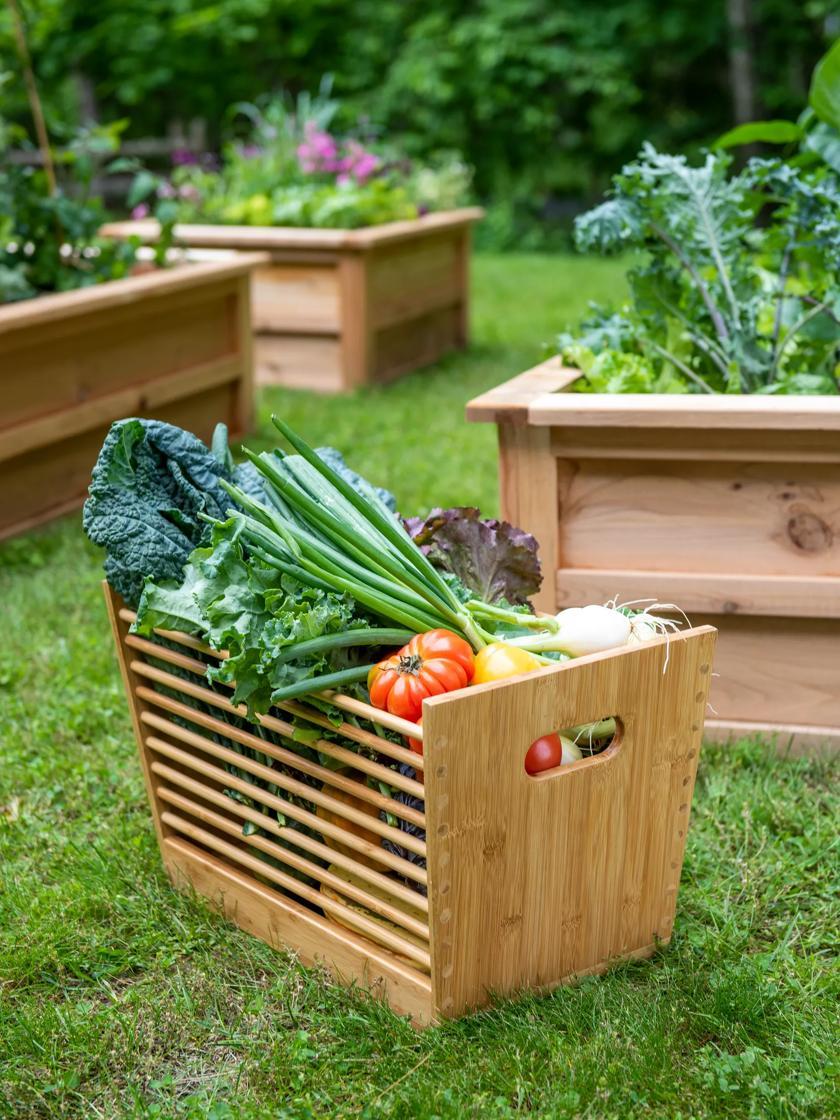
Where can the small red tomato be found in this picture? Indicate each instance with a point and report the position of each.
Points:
(544, 754)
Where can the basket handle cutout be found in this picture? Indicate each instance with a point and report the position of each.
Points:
(595, 742)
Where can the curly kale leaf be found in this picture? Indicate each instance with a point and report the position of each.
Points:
(736, 289)
(151, 487)
(492, 559)
(254, 613)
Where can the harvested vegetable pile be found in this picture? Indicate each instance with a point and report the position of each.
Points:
(306, 576)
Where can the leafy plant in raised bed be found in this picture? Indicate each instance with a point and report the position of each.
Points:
(817, 128)
(49, 237)
(290, 169)
(737, 289)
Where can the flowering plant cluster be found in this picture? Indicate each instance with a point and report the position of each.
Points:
(294, 169)
(350, 161)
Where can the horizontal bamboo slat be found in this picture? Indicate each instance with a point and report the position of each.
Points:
(294, 886)
(293, 836)
(329, 777)
(288, 808)
(293, 786)
(341, 754)
(306, 866)
(337, 699)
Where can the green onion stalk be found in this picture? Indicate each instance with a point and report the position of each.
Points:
(319, 529)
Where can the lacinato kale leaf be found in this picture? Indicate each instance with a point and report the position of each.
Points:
(150, 488)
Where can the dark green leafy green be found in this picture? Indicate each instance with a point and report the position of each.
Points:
(151, 488)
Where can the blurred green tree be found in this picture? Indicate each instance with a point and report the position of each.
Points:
(546, 98)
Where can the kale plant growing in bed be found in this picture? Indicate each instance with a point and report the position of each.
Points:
(737, 288)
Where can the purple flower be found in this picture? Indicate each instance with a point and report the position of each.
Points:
(140, 211)
(183, 157)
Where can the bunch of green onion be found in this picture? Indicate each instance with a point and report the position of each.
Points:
(323, 532)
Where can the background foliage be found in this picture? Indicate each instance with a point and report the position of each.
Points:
(546, 98)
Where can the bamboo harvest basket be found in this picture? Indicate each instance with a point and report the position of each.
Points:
(491, 881)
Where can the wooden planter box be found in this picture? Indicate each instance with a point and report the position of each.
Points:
(336, 309)
(173, 345)
(524, 882)
(728, 506)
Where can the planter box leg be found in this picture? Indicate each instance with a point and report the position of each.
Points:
(529, 497)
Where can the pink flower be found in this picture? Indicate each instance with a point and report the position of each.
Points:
(318, 152)
(141, 211)
(365, 166)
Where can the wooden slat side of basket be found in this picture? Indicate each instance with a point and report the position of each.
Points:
(187, 771)
(531, 881)
(535, 881)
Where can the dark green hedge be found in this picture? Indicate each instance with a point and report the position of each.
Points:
(545, 98)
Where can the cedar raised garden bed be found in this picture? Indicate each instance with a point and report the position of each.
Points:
(728, 506)
(337, 308)
(173, 345)
(524, 882)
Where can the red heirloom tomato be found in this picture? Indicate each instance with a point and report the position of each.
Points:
(435, 662)
(544, 754)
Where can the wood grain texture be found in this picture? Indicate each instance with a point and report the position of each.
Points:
(338, 309)
(510, 401)
(756, 518)
(499, 844)
(529, 496)
(299, 361)
(285, 924)
(173, 346)
(119, 293)
(296, 299)
(724, 593)
(724, 411)
(533, 880)
(728, 506)
(280, 238)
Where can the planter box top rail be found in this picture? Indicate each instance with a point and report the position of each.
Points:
(289, 237)
(537, 398)
(118, 293)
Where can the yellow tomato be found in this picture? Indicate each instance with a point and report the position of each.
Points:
(500, 660)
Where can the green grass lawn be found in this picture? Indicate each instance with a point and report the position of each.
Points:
(119, 998)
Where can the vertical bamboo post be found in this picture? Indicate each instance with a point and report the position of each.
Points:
(32, 94)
